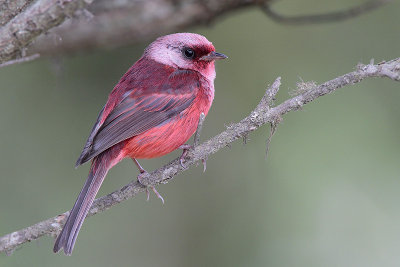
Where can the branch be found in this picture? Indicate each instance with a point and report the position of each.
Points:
(117, 23)
(37, 19)
(10, 8)
(19, 60)
(106, 24)
(264, 113)
(322, 18)
(114, 23)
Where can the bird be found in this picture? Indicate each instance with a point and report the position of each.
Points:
(153, 110)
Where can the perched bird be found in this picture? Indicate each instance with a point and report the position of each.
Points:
(153, 110)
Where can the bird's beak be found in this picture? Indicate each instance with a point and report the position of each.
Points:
(213, 56)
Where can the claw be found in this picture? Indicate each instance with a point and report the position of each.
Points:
(141, 179)
(204, 161)
(142, 182)
(157, 194)
(185, 148)
(181, 161)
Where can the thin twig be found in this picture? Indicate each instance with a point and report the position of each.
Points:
(273, 127)
(268, 100)
(19, 60)
(261, 115)
(196, 140)
(323, 18)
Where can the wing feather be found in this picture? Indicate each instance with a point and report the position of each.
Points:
(140, 110)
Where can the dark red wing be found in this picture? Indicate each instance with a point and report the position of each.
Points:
(141, 110)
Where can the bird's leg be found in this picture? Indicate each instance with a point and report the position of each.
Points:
(141, 177)
(196, 141)
(141, 170)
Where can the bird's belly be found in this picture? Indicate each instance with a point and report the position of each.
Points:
(162, 139)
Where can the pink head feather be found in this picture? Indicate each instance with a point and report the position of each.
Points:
(169, 50)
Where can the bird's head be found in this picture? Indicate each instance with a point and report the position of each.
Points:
(185, 51)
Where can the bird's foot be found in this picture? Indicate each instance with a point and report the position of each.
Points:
(143, 180)
(186, 148)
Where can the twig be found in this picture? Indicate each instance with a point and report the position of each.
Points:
(323, 18)
(274, 126)
(268, 101)
(261, 115)
(196, 140)
(20, 60)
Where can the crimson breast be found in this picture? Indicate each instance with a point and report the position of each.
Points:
(174, 132)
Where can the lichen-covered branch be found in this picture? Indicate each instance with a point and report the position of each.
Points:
(264, 113)
(37, 19)
(10, 8)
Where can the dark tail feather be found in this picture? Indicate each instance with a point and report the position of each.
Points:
(67, 237)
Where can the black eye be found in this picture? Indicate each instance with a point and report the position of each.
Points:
(188, 52)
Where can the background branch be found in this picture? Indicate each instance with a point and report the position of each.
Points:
(106, 24)
(37, 19)
(10, 8)
(117, 23)
(323, 18)
(262, 114)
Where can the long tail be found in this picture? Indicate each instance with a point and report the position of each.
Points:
(100, 166)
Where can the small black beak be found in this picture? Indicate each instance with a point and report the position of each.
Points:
(213, 56)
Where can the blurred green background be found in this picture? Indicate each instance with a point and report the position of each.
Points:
(328, 195)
